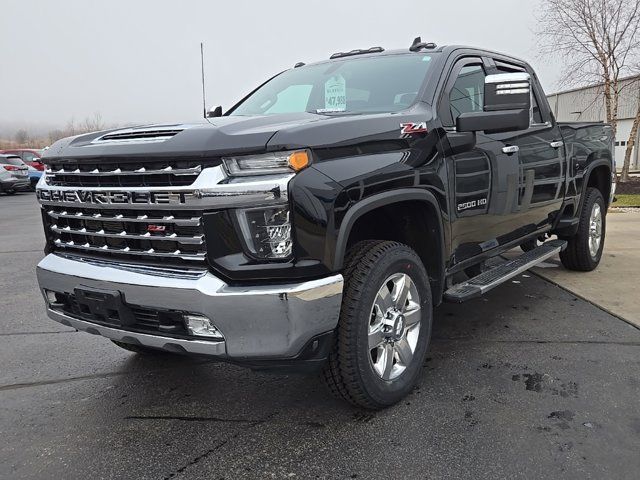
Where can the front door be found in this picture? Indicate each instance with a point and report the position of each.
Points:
(485, 181)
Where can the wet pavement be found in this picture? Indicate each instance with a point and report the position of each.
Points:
(528, 382)
(619, 269)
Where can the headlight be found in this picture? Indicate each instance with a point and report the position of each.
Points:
(268, 163)
(267, 231)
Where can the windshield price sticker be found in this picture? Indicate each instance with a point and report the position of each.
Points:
(335, 94)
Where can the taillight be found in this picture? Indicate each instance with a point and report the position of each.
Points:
(11, 168)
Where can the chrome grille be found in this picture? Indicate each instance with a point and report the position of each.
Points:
(125, 173)
(162, 235)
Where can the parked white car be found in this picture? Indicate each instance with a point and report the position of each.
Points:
(14, 174)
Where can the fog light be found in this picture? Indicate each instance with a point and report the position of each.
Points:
(201, 326)
(52, 298)
(267, 231)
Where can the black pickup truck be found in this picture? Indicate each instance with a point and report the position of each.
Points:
(317, 223)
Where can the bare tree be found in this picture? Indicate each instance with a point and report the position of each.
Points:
(22, 137)
(94, 123)
(71, 130)
(55, 135)
(633, 134)
(599, 41)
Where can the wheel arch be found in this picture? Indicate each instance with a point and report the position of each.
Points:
(392, 211)
(598, 176)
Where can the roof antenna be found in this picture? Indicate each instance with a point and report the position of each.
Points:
(204, 100)
(418, 45)
(415, 46)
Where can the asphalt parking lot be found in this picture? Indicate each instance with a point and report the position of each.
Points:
(529, 382)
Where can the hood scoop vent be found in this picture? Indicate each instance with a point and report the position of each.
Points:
(131, 135)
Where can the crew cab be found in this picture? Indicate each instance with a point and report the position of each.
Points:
(317, 223)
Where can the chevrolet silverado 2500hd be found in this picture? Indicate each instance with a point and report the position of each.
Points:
(318, 222)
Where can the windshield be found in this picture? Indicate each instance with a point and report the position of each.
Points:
(353, 85)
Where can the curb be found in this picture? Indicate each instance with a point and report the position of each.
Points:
(604, 309)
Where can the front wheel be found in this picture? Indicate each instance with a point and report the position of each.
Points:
(384, 327)
(584, 249)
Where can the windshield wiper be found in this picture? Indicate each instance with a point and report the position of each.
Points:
(328, 111)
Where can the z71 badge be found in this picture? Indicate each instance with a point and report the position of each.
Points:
(413, 128)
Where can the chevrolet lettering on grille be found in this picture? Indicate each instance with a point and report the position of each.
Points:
(110, 198)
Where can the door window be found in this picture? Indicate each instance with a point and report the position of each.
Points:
(467, 93)
(29, 157)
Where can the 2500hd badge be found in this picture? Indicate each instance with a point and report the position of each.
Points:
(472, 204)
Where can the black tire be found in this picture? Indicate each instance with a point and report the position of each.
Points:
(577, 255)
(141, 350)
(349, 372)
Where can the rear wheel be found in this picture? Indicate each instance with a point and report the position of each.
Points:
(384, 327)
(584, 249)
(142, 350)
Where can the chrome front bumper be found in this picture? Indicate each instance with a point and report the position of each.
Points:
(258, 322)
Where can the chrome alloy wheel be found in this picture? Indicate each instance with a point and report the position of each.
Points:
(394, 326)
(595, 230)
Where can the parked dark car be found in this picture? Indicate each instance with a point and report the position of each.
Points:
(317, 223)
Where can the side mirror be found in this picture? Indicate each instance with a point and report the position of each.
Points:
(507, 105)
(215, 112)
(507, 91)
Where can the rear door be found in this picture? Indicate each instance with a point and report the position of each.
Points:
(542, 160)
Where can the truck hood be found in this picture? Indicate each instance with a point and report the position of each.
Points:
(235, 135)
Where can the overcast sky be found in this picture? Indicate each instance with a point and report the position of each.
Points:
(139, 60)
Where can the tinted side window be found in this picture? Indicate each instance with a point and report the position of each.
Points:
(467, 93)
(536, 115)
(12, 160)
(29, 157)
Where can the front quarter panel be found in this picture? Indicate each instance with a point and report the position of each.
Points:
(417, 166)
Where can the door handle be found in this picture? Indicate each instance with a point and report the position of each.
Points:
(556, 144)
(510, 149)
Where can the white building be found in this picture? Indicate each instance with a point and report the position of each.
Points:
(587, 105)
